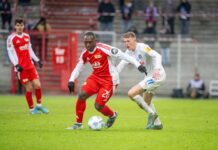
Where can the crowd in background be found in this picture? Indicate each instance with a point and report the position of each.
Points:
(152, 14)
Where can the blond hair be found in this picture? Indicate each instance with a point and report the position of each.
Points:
(129, 35)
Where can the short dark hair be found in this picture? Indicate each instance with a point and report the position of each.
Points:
(19, 21)
(90, 34)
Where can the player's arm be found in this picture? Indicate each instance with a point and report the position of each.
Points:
(33, 56)
(121, 55)
(121, 65)
(75, 73)
(12, 55)
(156, 61)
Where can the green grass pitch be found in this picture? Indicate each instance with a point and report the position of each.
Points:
(188, 125)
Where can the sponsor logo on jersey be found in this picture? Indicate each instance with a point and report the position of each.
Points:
(97, 56)
(96, 65)
(24, 47)
(114, 51)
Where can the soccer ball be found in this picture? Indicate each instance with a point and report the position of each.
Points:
(95, 123)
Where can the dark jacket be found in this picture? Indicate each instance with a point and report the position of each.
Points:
(106, 8)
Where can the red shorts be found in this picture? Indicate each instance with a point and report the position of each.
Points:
(27, 75)
(104, 90)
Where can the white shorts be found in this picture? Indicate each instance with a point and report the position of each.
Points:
(149, 84)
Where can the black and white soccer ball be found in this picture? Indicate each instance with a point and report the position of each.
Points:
(96, 123)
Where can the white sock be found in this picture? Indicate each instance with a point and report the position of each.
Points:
(142, 104)
(157, 121)
(39, 105)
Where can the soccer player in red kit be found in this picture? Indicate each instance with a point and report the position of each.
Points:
(103, 79)
(21, 54)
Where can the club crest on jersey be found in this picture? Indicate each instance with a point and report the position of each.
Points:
(114, 51)
(26, 39)
(97, 56)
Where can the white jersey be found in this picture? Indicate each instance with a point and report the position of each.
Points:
(152, 60)
(145, 56)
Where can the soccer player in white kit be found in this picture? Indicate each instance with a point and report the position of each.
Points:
(155, 77)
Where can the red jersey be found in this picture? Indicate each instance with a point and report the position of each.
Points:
(20, 50)
(101, 62)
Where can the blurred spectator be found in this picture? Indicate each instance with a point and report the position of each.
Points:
(165, 42)
(43, 27)
(184, 10)
(133, 29)
(6, 15)
(92, 24)
(106, 12)
(196, 88)
(168, 11)
(24, 3)
(121, 3)
(151, 14)
(150, 28)
(126, 11)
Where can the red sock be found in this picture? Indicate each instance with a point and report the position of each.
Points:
(107, 111)
(38, 93)
(29, 100)
(80, 108)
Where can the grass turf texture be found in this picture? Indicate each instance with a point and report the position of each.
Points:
(188, 124)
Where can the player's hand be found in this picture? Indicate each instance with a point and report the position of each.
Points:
(142, 69)
(19, 68)
(40, 64)
(71, 86)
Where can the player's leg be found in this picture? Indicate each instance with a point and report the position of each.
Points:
(150, 84)
(28, 88)
(134, 94)
(104, 94)
(193, 93)
(38, 93)
(24, 80)
(33, 75)
(89, 88)
(157, 123)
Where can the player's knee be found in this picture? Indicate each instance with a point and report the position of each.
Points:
(83, 96)
(29, 88)
(98, 106)
(130, 94)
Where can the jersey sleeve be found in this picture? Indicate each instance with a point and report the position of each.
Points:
(32, 54)
(11, 51)
(156, 57)
(121, 65)
(115, 52)
(75, 73)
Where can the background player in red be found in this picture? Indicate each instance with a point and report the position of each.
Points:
(103, 79)
(21, 54)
